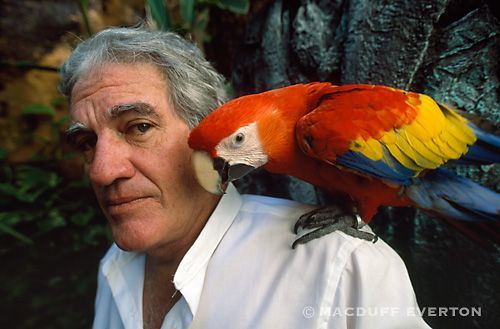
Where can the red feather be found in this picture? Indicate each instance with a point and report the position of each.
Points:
(305, 128)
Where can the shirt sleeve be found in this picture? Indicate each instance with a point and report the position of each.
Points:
(375, 291)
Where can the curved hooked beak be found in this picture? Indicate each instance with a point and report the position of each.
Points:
(214, 174)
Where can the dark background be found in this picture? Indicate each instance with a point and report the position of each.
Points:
(51, 233)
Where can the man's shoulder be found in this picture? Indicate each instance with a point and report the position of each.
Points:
(257, 249)
(273, 207)
(267, 223)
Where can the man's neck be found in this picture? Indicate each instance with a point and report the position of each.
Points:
(159, 292)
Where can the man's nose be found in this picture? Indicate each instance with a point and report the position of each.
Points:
(110, 161)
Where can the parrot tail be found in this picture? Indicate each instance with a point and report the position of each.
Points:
(454, 197)
(486, 149)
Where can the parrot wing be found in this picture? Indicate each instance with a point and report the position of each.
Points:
(383, 132)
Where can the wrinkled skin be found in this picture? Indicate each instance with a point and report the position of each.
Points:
(139, 163)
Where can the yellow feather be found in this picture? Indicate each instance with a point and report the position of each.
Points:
(370, 148)
(430, 117)
(464, 132)
(433, 147)
(437, 134)
(445, 148)
(458, 147)
(407, 149)
(424, 151)
(389, 137)
(416, 128)
(460, 135)
(402, 158)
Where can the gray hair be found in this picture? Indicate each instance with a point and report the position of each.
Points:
(194, 87)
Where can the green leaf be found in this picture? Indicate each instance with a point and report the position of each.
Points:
(39, 109)
(82, 218)
(16, 234)
(202, 19)
(32, 182)
(58, 101)
(53, 220)
(8, 190)
(65, 119)
(187, 11)
(237, 6)
(159, 14)
(84, 10)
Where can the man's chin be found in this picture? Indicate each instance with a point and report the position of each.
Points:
(130, 245)
(129, 238)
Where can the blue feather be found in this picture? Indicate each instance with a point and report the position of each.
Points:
(393, 172)
(453, 196)
(486, 150)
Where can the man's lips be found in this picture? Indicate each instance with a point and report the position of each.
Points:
(123, 200)
(121, 204)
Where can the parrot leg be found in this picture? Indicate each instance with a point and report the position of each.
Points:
(327, 220)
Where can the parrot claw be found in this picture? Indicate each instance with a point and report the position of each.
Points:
(327, 220)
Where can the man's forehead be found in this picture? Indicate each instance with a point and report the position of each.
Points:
(134, 76)
(114, 85)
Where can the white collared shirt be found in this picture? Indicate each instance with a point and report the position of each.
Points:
(241, 272)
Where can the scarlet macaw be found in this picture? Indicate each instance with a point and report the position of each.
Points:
(381, 146)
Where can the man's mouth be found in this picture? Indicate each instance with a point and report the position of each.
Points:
(116, 205)
(122, 200)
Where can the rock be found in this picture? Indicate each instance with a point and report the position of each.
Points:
(448, 49)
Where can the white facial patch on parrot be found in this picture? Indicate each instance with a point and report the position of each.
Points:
(243, 147)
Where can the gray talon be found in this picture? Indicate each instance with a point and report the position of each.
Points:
(328, 219)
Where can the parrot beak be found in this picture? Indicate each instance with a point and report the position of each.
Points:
(206, 174)
(214, 174)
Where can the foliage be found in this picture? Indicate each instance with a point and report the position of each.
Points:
(36, 200)
(84, 9)
(52, 235)
(52, 239)
(52, 144)
(159, 14)
(192, 16)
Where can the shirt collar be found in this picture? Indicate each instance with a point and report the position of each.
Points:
(125, 270)
(190, 274)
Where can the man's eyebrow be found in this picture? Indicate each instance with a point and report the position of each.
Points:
(139, 108)
(76, 127)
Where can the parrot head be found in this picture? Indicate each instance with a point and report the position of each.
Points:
(250, 132)
(228, 143)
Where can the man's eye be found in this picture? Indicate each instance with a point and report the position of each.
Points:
(140, 128)
(84, 143)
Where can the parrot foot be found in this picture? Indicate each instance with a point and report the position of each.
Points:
(329, 219)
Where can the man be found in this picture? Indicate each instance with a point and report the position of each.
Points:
(183, 257)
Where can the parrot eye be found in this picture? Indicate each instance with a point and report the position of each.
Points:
(239, 138)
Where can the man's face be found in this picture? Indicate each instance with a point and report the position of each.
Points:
(137, 156)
